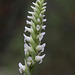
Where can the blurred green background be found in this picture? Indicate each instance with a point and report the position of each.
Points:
(60, 37)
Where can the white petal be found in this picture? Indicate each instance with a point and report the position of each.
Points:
(44, 20)
(40, 62)
(38, 27)
(43, 15)
(33, 8)
(43, 7)
(43, 11)
(44, 3)
(40, 36)
(43, 27)
(40, 15)
(27, 38)
(20, 70)
(41, 47)
(35, 4)
(39, 58)
(30, 17)
(31, 12)
(27, 29)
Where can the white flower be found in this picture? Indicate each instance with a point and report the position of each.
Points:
(21, 68)
(27, 38)
(27, 29)
(38, 27)
(30, 17)
(39, 58)
(43, 27)
(44, 20)
(31, 12)
(28, 22)
(40, 36)
(44, 3)
(30, 61)
(41, 47)
(27, 49)
(43, 15)
(35, 4)
(35, 9)
(43, 11)
(43, 7)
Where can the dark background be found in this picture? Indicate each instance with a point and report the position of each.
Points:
(60, 37)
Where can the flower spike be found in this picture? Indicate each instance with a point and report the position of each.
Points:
(32, 42)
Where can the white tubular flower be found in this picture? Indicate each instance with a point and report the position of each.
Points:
(27, 49)
(41, 47)
(27, 29)
(35, 4)
(40, 36)
(27, 38)
(43, 11)
(44, 3)
(43, 7)
(35, 9)
(32, 13)
(30, 17)
(38, 27)
(44, 20)
(21, 67)
(28, 22)
(39, 58)
(43, 15)
(30, 61)
(43, 27)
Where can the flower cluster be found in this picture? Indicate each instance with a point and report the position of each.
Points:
(32, 43)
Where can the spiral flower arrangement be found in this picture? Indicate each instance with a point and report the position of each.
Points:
(32, 43)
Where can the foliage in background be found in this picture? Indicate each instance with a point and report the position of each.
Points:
(60, 37)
